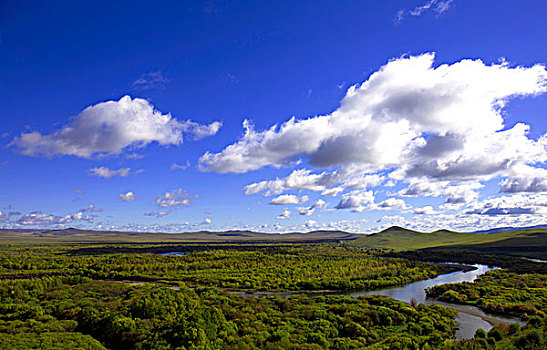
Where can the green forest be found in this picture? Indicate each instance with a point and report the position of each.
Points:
(251, 268)
(247, 296)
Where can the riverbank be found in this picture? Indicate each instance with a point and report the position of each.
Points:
(470, 318)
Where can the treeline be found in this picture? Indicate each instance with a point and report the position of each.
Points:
(76, 312)
(514, 264)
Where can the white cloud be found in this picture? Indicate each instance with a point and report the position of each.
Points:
(107, 173)
(360, 201)
(456, 195)
(475, 156)
(427, 210)
(37, 219)
(176, 166)
(156, 213)
(284, 215)
(332, 192)
(391, 204)
(511, 205)
(525, 179)
(199, 131)
(91, 208)
(151, 80)
(155, 227)
(111, 127)
(47, 220)
(175, 198)
(319, 204)
(307, 211)
(128, 196)
(438, 6)
(289, 199)
(303, 179)
(312, 224)
(355, 200)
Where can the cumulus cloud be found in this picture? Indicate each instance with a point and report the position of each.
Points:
(525, 179)
(303, 179)
(355, 200)
(111, 127)
(360, 201)
(46, 220)
(391, 204)
(510, 205)
(128, 196)
(286, 214)
(319, 204)
(409, 113)
(175, 198)
(289, 199)
(427, 210)
(107, 173)
(456, 194)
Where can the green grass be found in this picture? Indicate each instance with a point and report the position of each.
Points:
(529, 242)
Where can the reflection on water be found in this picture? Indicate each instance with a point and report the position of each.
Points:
(469, 319)
(416, 290)
(534, 260)
(174, 253)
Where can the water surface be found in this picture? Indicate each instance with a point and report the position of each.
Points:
(469, 318)
(175, 253)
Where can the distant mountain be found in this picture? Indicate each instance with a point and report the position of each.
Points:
(78, 235)
(507, 229)
(399, 238)
(395, 229)
(520, 241)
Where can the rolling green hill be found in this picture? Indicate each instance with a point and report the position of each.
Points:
(526, 242)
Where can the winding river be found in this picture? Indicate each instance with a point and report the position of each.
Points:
(469, 318)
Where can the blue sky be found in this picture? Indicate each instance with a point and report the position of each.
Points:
(176, 116)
